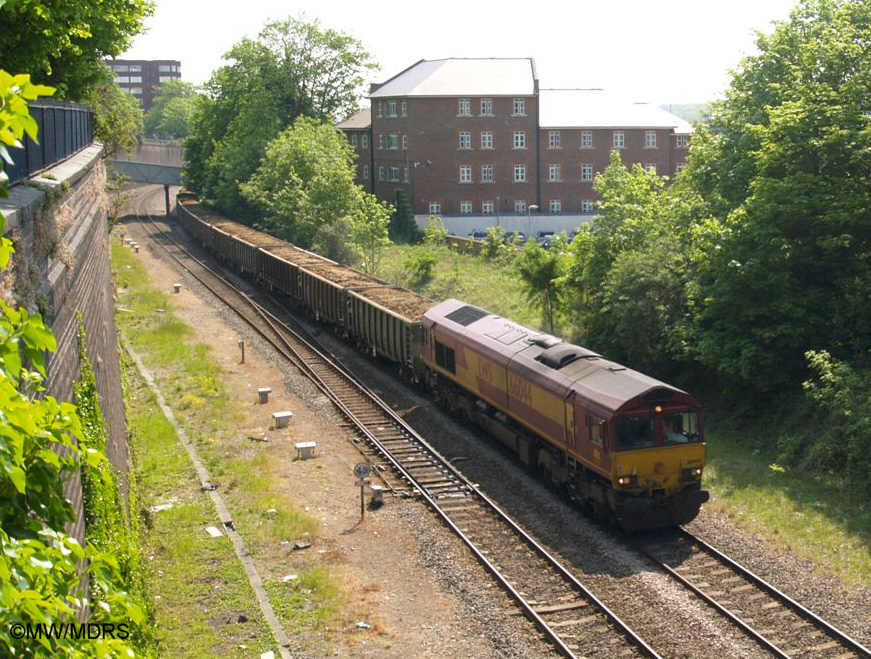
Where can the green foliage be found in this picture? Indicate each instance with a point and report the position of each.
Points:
(494, 243)
(306, 180)
(331, 240)
(39, 580)
(293, 69)
(15, 119)
(403, 228)
(435, 233)
(171, 110)
(117, 115)
(63, 43)
(785, 168)
(540, 271)
(420, 266)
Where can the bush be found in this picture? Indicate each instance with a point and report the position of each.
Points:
(420, 267)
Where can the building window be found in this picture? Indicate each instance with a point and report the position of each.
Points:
(555, 206)
(586, 139)
(586, 172)
(366, 172)
(520, 173)
(465, 109)
(650, 168)
(392, 141)
(650, 139)
(619, 139)
(486, 173)
(364, 140)
(587, 206)
(404, 108)
(405, 174)
(465, 174)
(120, 68)
(122, 79)
(487, 107)
(465, 140)
(164, 68)
(519, 107)
(391, 108)
(354, 140)
(380, 141)
(683, 141)
(680, 167)
(160, 78)
(466, 207)
(519, 139)
(487, 207)
(380, 109)
(554, 173)
(519, 206)
(393, 174)
(380, 173)
(554, 140)
(135, 68)
(405, 142)
(486, 140)
(139, 79)
(435, 208)
(136, 91)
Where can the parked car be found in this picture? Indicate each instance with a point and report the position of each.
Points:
(478, 234)
(515, 237)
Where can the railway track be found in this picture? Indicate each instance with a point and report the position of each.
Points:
(777, 623)
(568, 615)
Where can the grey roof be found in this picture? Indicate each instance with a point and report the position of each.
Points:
(358, 121)
(595, 108)
(463, 77)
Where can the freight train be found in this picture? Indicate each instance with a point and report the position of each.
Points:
(626, 446)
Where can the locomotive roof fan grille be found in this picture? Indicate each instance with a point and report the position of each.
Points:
(466, 315)
(564, 354)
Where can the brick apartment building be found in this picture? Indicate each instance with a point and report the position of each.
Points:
(142, 77)
(475, 138)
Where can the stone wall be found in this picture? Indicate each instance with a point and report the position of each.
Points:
(61, 266)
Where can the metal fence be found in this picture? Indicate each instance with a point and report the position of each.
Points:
(63, 129)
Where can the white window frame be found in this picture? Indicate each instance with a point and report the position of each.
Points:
(366, 172)
(519, 107)
(405, 142)
(435, 208)
(486, 139)
(381, 173)
(465, 140)
(465, 173)
(519, 139)
(393, 173)
(618, 139)
(404, 108)
(391, 108)
(519, 206)
(486, 107)
(650, 168)
(380, 108)
(681, 166)
(487, 208)
(354, 140)
(381, 140)
(486, 173)
(586, 139)
(519, 173)
(555, 206)
(554, 173)
(650, 139)
(466, 207)
(587, 206)
(586, 172)
(554, 139)
(364, 141)
(392, 141)
(683, 141)
(464, 107)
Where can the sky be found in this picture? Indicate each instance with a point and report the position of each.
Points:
(671, 51)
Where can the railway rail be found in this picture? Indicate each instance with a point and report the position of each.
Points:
(569, 616)
(776, 622)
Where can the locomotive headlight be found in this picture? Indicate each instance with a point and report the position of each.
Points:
(628, 479)
(692, 473)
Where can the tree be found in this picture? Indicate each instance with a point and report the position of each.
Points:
(540, 271)
(171, 111)
(293, 69)
(785, 168)
(370, 220)
(62, 43)
(117, 115)
(403, 228)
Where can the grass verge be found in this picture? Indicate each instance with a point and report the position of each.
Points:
(190, 571)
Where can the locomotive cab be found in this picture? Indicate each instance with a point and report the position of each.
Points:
(658, 453)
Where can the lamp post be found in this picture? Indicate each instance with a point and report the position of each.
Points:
(529, 210)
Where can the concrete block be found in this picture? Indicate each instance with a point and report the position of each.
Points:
(305, 450)
(282, 418)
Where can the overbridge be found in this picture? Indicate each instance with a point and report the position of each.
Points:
(153, 161)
